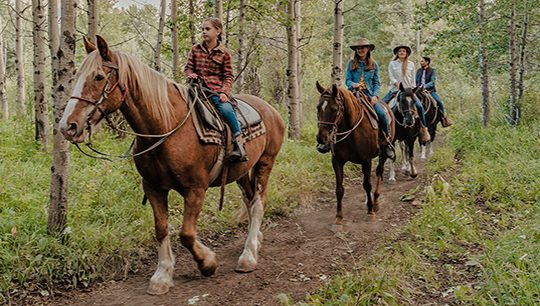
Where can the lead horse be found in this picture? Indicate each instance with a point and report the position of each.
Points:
(345, 129)
(153, 105)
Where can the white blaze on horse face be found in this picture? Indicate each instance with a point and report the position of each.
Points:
(70, 107)
(324, 105)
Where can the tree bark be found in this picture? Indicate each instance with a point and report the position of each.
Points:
(191, 23)
(58, 207)
(292, 40)
(41, 110)
(240, 52)
(4, 106)
(157, 48)
(486, 112)
(227, 23)
(93, 20)
(522, 45)
(19, 58)
(337, 54)
(299, 70)
(218, 9)
(174, 36)
(512, 66)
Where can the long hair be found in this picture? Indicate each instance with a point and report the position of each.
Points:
(404, 63)
(216, 23)
(355, 61)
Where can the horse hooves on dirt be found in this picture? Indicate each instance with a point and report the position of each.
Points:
(158, 288)
(208, 266)
(336, 228)
(414, 175)
(245, 266)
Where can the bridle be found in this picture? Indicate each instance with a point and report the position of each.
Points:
(403, 112)
(334, 134)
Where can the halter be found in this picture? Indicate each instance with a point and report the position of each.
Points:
(334, 132)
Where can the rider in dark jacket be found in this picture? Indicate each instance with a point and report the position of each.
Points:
(425, 76)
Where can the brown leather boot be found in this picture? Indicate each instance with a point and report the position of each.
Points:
(445, 122)
(424, 134)
(238, 153)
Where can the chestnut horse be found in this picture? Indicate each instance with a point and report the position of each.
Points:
(407, 130)
(154, 105)
(433, 117)
(345, 129)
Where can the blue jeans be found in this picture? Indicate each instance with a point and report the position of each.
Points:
(387, 97)
(420, 109)
(379, 109)
(227, 111)
(439, 101)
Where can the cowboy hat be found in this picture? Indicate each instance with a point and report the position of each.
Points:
(407, 48)
(361, 43)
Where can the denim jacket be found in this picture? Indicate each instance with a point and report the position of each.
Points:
(371, 78)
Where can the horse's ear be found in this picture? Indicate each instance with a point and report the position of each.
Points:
(320, 88)
(334, 90)
(401, 88)
(104, 51)
(88, 45)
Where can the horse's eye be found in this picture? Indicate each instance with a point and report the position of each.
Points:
(99, 77)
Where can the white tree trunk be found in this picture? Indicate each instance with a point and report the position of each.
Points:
(292, 40)
(191, 21)
(41, 109)
(93, 20)
(240, 52)
(337, 54)
(19, 58)
(299, 70)
(157, 49)
(4, 106)
(486, 112)
(54, 42)
(58, 207)
(174, 36)
(218, 10)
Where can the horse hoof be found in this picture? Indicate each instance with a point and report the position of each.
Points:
(245, 266)
(371, 217)
(414, 175)
(209, 265)
(392, 181)
(336, 228)
(158, 288)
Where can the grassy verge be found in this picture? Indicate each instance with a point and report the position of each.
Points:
(476, 240)
(111, 232)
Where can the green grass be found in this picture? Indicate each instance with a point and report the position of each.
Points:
(111, 232)
(476, 239)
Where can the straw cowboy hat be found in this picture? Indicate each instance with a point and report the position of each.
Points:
(361, 43)
(407, 48)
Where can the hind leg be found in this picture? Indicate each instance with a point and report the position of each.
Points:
(254, 191)
(340, 191)
(366, 172)
(379, 172)
(162, 279)
(205, 258)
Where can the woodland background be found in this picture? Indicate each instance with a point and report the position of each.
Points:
(488, 61)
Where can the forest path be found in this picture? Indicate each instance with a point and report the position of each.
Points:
(299, 254)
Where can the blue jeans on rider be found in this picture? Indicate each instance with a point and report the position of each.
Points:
(421, 112)
(387, 97)
(439, 101)
(227, 111)
(379, 109)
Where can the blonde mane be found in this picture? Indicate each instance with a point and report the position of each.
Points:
(148, 87)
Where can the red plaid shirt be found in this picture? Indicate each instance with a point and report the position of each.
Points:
(214, 67)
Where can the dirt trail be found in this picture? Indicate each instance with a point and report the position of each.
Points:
(299, 254)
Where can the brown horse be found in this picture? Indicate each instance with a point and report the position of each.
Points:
(345, 129)
(154, 105)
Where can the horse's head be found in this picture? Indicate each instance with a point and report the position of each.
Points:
(329, 115)
(406, 105)
(97, 92)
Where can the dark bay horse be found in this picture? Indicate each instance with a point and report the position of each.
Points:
(433, 117)
(407, 130)
(153, 105)
(344, 127)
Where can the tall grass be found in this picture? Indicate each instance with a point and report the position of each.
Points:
(110, 231)
(476, 239)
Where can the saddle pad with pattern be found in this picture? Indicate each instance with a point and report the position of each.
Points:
(211, 127)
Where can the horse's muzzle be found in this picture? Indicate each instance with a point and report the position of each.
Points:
(323, 148)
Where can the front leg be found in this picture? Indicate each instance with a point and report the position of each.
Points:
(162, 279)
(340, 191)
(205, 258)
